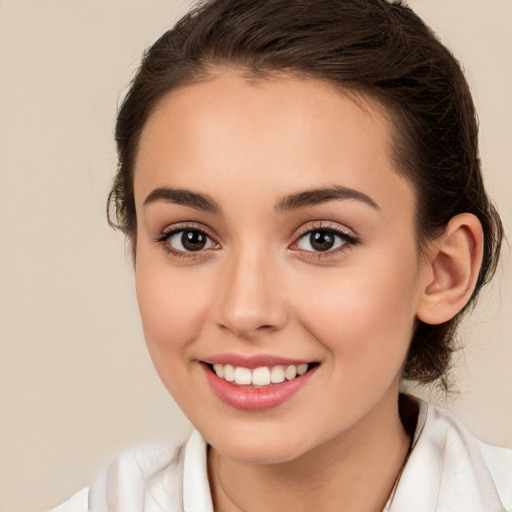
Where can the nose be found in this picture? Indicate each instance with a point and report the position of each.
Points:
(250, 300)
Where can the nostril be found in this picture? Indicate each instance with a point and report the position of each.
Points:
(247, 327)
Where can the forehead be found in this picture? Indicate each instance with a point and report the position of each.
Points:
(267, 136)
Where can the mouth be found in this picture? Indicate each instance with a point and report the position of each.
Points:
(257, 386)
(261, 376)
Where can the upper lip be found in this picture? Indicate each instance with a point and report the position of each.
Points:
(253, 361)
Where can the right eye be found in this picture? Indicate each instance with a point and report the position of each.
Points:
(188, 240)
(322, 240)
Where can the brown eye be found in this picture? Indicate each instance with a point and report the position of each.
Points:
(322, 240)
(189, 240)
(193, 240)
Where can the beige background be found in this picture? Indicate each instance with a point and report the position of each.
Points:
(76, 384)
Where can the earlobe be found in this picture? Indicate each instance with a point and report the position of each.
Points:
(454, 263)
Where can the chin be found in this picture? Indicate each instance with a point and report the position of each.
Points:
(250, 447)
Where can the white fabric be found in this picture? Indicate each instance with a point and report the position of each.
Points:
(448, 470)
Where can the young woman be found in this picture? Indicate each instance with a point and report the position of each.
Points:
(301, 188)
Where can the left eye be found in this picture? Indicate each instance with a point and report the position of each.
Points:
(321, 240)
(190, 240)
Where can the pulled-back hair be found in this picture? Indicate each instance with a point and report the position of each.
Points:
(369, 47)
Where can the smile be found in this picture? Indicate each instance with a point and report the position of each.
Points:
(262, 376)
(257, 387)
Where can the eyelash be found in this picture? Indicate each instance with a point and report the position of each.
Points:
(348, 240)
(167, 234)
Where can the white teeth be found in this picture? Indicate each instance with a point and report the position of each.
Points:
(302, 369)
(229, 373)
(219, 370)
(243, 376)
(261, 376)
(277, 374)
(290, 372)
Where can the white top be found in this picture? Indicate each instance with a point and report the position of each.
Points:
(447, 470)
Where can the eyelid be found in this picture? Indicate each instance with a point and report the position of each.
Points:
(163, 239)
(322, 225)
(347, 235)
(184, 226)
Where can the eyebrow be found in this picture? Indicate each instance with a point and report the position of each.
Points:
(183, 197)
(322, 195)
(290, 202)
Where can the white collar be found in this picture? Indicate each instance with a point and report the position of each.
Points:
(196, 490)
(445, 470)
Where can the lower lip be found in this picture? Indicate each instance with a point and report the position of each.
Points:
(255, 399)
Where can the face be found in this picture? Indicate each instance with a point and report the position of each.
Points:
(275, 247)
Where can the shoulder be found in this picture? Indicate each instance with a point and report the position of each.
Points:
(488, 463)
(145, 478)
(448, 469)
(77, 503)
(499, 463)
(495, 460)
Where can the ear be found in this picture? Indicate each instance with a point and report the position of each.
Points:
(453, 265)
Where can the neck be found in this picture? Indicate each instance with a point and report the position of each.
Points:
(355, 470)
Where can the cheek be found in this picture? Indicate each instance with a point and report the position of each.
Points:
(364, 317)
(172, 310)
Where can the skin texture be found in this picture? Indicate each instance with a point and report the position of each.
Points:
(258, 286)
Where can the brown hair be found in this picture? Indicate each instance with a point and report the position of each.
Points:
(373, 47)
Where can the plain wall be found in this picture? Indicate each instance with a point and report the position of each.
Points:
(76, 383)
